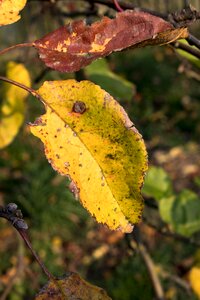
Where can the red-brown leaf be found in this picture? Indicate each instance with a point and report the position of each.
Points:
(76, 45)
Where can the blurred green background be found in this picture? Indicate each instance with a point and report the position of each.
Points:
(159, 88)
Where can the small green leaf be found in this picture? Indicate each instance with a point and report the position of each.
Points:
(182, 212)
(157, 184)
(119, 87)
(165, 208)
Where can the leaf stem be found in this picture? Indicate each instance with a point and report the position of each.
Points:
(118, 7)
(26, 239)
(21, 85)
(15, 46)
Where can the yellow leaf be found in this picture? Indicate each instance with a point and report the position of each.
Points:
(9, 11)
(89, 137)
(194, 278)
(72, 287)
(13, 107)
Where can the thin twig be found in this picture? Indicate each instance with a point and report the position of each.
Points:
(118, 7)
(24, 87)
(15, 46)
(150, 267)
(173, 235)
(192, 40)
(187, 48)
(177, 280)
(15, 217)
(124, 5)
(26, 239)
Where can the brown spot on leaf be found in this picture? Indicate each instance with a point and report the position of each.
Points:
(79, 107)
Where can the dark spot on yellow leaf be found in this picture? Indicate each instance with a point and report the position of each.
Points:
(110, 156)
(79, 107)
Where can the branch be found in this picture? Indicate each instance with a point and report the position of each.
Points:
(177, 280)
(151, 267)
(173, 235)
(124, 5)
(118, 7)
(15, 217)
(186, 48)
(192, 40)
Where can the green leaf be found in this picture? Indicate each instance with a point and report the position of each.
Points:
(117, 86)
(182, 212)
(157, 183)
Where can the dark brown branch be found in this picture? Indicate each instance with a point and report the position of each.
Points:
(184, 17)
(26, 239)
(15, 217)
(192, 40)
